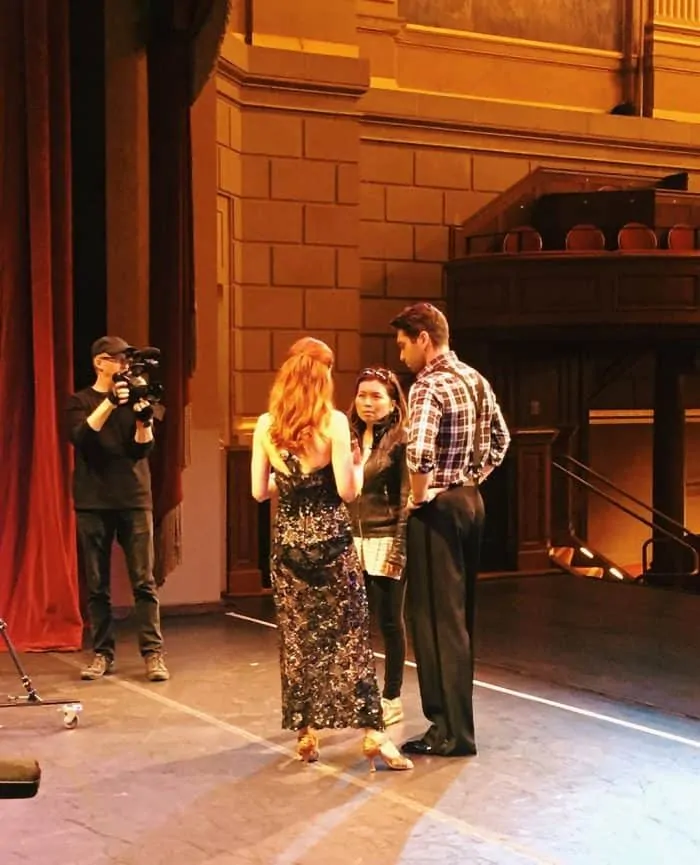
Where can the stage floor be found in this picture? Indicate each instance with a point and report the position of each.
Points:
(197, 770)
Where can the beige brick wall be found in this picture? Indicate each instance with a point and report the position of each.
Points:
(409, 196)
(332, 232)
(291, 183)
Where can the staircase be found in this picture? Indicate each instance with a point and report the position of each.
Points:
(578, 558)
(581, 561)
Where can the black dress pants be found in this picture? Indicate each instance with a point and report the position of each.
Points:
(443, 548)
(133, 530)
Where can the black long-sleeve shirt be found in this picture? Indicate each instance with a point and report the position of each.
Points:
(111, 469)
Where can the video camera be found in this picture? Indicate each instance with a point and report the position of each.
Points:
(137, 376)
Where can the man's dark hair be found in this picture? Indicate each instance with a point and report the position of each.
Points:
(423, 316)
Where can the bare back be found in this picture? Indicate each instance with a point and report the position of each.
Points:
(311, 460)
(331, 445)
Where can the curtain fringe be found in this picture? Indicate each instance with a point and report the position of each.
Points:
(168, 544)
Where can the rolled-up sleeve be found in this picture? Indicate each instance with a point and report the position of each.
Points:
(425, 413)
(500, 436)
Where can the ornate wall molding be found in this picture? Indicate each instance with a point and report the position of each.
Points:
(686, 11)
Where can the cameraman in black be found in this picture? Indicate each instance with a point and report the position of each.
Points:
(112, 498)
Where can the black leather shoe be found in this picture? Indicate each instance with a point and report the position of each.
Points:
(417, 746)
(421, 748)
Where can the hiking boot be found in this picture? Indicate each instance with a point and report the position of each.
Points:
(101, 665)
(156, 671)
(392, 710)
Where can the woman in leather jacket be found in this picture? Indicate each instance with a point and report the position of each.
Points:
(378, 424)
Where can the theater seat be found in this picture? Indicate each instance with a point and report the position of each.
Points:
(636, 236)
(585, 237)
(524, 238)
(682, 237)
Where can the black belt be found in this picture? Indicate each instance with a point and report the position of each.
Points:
(469, 482)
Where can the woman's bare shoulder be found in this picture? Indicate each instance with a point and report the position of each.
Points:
(261, 433)
(337, 424)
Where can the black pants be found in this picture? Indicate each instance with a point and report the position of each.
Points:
(133, 530)
(386, 600)
(443, 547)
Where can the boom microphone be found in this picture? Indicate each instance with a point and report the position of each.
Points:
(19, 779)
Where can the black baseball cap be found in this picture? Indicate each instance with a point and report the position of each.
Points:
(110, 345)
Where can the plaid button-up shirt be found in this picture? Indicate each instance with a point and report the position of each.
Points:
(445, 424)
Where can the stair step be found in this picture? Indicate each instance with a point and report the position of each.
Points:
(563, 555)
(589, 572)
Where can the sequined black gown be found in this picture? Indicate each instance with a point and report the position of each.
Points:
(327, 666)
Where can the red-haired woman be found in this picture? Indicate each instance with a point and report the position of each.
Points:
(302, 452)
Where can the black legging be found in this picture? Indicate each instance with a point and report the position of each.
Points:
(386, 599)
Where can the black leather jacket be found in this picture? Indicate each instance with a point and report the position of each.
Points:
(380, 509)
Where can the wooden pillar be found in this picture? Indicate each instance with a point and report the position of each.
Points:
(533, 455)
(668, 472)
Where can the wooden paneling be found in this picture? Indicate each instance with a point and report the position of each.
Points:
(244, 568)
(647, 292)
(223, 240)
(568, 22)
(538, 296)
(568, 294)
(533, 453)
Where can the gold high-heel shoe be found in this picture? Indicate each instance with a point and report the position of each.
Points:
(307, 746)
(377, 745)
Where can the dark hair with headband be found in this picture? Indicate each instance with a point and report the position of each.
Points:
(396, 423)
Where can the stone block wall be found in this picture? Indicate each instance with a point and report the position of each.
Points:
(409, 198)
(289, 180)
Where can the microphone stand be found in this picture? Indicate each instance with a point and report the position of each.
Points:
(71, 708)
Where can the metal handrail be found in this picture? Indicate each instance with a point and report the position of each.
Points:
(608, 376)
(645, 546)
(618, 489)
(631, 513)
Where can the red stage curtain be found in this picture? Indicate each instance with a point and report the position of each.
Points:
(38, 581)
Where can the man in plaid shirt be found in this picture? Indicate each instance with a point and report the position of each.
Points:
(457, 436)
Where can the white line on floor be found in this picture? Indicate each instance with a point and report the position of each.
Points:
(368, 786)
(533, 698)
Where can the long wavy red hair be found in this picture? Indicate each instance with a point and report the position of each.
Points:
(301, 399)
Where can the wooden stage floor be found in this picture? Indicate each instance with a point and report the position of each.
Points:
(587, 708)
